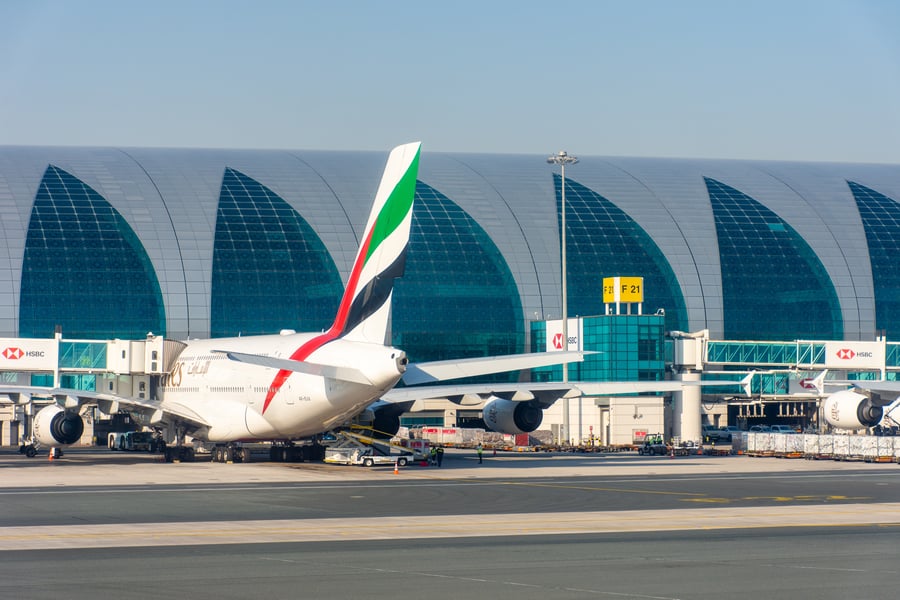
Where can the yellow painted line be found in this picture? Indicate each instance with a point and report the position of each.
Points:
(601, 489)
(442, 526)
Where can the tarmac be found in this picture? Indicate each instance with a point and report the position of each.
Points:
(523, 526)
(91, 467)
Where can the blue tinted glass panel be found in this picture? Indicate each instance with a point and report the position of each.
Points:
(603, 241)
(457, 297)
(82, 355)
(270, 270)
(628, 348)
(84, 268)
(773, 286)
(881, 221)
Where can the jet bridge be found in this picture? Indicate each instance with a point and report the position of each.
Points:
(784, 372)
(123, 367)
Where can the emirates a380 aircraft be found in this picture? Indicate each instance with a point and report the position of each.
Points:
(292, 386)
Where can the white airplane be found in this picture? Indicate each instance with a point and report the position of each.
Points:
(293, 386)
(861, 406)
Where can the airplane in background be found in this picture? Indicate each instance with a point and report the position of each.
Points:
(294, 386)
(860, 405)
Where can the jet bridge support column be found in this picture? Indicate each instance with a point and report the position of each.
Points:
(686, 409)
(690, 351)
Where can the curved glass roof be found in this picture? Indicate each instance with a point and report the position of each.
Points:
(745, 249)
(881, 220)
(457, 297)
(774, 286)
(84, 268)
(602, 241)
(270, 269)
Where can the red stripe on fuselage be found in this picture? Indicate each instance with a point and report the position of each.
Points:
(337, 328)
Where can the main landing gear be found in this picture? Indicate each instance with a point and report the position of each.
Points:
(297, 453)
(227, 453)
(179, 452)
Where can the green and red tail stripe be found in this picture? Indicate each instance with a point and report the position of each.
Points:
(365, 307)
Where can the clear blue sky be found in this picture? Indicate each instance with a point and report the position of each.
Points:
(767, 79)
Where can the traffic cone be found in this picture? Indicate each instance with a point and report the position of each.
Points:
(50, 456)
(396, 469)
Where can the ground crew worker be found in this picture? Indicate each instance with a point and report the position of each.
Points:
(479, 450)
(440, 455)
(432, 456)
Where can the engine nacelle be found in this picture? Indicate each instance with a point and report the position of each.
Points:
(384, 419)
(386, 424)
(506, 416)
(851, 410)
(54, 426)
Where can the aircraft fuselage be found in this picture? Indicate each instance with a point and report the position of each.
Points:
(244, 402)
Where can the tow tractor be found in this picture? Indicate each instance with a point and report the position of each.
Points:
(354, 448)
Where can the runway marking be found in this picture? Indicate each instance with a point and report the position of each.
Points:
(588, 488)
(446, 526)
(781, 499)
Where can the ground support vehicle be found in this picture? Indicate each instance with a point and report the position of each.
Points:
(654, 447)
(715, 435)
(365, 457)
(133, 441)
(353, 448)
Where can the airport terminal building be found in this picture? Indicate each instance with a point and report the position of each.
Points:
(118, 242)
(106, 243)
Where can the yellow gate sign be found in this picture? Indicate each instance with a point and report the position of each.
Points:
(623, 289)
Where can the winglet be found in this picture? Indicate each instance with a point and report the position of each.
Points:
(819, 382)
(745, 384)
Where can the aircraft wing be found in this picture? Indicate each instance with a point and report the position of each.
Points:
(442, 370)
(417, 373)
(881, 386)
(546, 393)
(153, 411)
(882, 393)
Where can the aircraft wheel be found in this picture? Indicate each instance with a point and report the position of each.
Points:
(30, 451)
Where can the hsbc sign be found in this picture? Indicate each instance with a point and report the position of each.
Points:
(555, 340)
(13, 353)
(845, 354)
(856, 355)
(28, 354)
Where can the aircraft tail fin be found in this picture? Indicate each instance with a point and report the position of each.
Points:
(366, 305)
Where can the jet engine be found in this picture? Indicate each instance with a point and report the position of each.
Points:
(506, 416)
(383, 418)
(54, 426)
(851, 410)
(386, 423)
